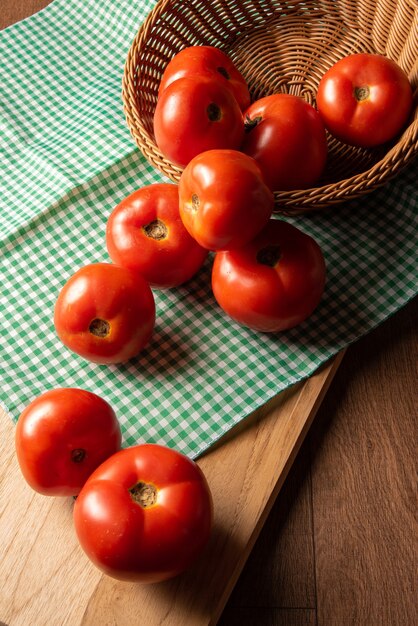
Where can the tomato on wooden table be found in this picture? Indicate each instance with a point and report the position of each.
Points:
(287, 138)
(364, 99)
(62, 436)
(224, 201)
(145, 233)
(207, 62)
(274, 282)
(105, 313)
(145, 514)
(195, 114)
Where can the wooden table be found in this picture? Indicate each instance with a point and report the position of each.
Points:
(337, 547)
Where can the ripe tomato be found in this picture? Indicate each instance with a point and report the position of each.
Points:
(224, 201)
(196, 114)
(274, 282)
(62, 436)
(207, 62)
(145, 514)
(105, 313)
(145, 233)
(286, 136)
(364, 99)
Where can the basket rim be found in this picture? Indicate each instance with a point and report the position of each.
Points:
(394, 160)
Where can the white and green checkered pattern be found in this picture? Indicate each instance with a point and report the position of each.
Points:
(67, 159)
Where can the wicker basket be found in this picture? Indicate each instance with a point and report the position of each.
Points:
(281, 46)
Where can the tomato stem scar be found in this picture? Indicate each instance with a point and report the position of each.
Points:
(78, 455)
(156, 230)
(214, 112)
(361, 93)
(99, 327)
(144, 494)
(223, 71)
(195, 202)
(269, 255)
(249, 123)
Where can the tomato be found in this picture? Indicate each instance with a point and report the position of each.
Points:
(274, 282)
(207, 62)
(62, 436)
(105, 313)
(145, 233)
(224, 201)
(287, 138)
(145, 514)
(196, 114)
(364, 99)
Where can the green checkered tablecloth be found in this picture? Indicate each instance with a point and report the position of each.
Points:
(66, 160)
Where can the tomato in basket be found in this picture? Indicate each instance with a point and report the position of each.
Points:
(210, 62)
(274, 282)
(62, 436)
(224, 201)
(145, 233)
(195, 114)
(287, 138)
(364, 99)
(145, 514)
(105, 313)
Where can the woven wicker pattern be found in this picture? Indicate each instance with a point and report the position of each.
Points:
(281, 46)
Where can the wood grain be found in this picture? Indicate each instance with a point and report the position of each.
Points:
(364, 482)
(268, 616)
(38, 549)
(281, 571)
(15, 10)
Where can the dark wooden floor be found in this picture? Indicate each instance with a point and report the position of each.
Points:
(340, 545)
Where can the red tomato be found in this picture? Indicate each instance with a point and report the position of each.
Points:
(364, 99)
(145, 514)
(207, 62)
(224, 201)
(196, 114)
(274, 282)
(286, 136)
(145, 233)
(105, 313)
(62, 436)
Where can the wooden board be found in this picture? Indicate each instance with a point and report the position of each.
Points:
(46, 578)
